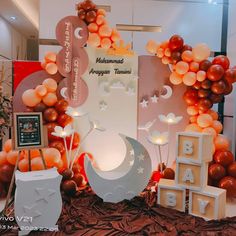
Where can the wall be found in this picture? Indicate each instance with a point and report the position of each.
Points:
(12, 43)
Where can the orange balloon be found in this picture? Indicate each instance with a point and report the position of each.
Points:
(52, 157)
(182, 67)
(50, 99)
(213, 114)
(204, 120)
(100, 20)
(41, 90)
(160, 52)
(37, 164)
(151, 47)
(210, 130)
(193, 128)
(94, 40)
(201, 75)
(176, 78)
(7, 147)
(3, 158)
(43, 64)
(101, 12)
(115, 36)
(192, 110)
(50, 84)
(221, 142)
(217, 126)
(201, 52)
(187, 56)
(193, 119)
(106, 43)
(167, 52)
(194, 66)
(12, 157)
(190, 78)
(105, 31)
(165, 44)
(24, 165)
(30, 98)
(33, 153)
(51, 68)
(165, 60)
(93, 27)
(50, 57)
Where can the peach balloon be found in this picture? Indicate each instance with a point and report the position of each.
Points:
(7, 147)
(201, 75)
(100, 20)
(105, 31)
(3, 158)
(165, 44)
(204, 120)
(221, 142)
(106, 43)
(190, 78)
(192, 110)
(101, 12)
(193, 119)
(52, 156)
(50, 99)
(194, 66)
(193, 128)
(167, 52)
(33, 153)
(51, 68)
(41, 90)
(187, 56)
(213, 114)
(217, 126)
(37, 164)
(115, 36)
(93, 27)
(43, 64)
(151, 47)
(94, 40)
(50, 84)
(175, 78)
(201, 52)
(24, 165)
(50, 57)
(210, 130)
(12, 157)
(30, 98)
(160, 52)
(182, 67)
(165, 60)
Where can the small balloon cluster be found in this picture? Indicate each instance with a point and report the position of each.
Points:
(207, 83)
(100, 33)
(49, 64)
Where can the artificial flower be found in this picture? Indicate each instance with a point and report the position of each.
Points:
(171, 119)
(75, 112)
(158, 138)
(62, 133)
(96, 125)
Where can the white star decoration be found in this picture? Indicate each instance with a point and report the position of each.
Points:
(144, 103)
(103, 106)
(32, 211)
(154, 98)
(140, 170)
(131, 152)
(44, 194)
(131, 162)
(141, 157)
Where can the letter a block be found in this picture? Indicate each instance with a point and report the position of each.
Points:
(194, 147)
(171, 196)
(191, 176)
(209, 203)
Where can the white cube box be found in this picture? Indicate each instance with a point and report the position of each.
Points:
(194, 147)
(191, 175)
(208, 203)
(170, 195)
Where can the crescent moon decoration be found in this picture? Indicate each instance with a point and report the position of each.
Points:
(127, 180)
(63, 92)
(167, 92)
(77, 32)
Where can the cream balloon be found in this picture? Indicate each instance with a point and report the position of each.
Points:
(118, 184)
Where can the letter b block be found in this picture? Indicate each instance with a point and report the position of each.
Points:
(194, 147)
(171, 196)
(209, 203)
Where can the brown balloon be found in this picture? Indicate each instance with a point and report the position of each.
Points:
(206, 84)
(6, 172)
(222, 60)
(187, 47)
(229, 183)
(41, 107)
(69, 187)
(216, 171)
(176, 43)
(224, 157)
(64, 120)
(51, 128)
(50, 115)
(61, 106)
(169, 173)
(215, 98)
(229, 87)
(79, 179)
(215, 72)
(91, 16)
(176, 56)
(67, 174)
(205, 65)
(218, 87)
(82, 14)
(204, 93)
(88, 5)
(230, 75)
(191, 97)
(231, 170)
(197, 85)
(204, 104)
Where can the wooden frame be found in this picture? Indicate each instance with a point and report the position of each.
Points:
(28, 131)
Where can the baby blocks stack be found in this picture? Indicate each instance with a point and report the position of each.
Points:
(194, 152)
